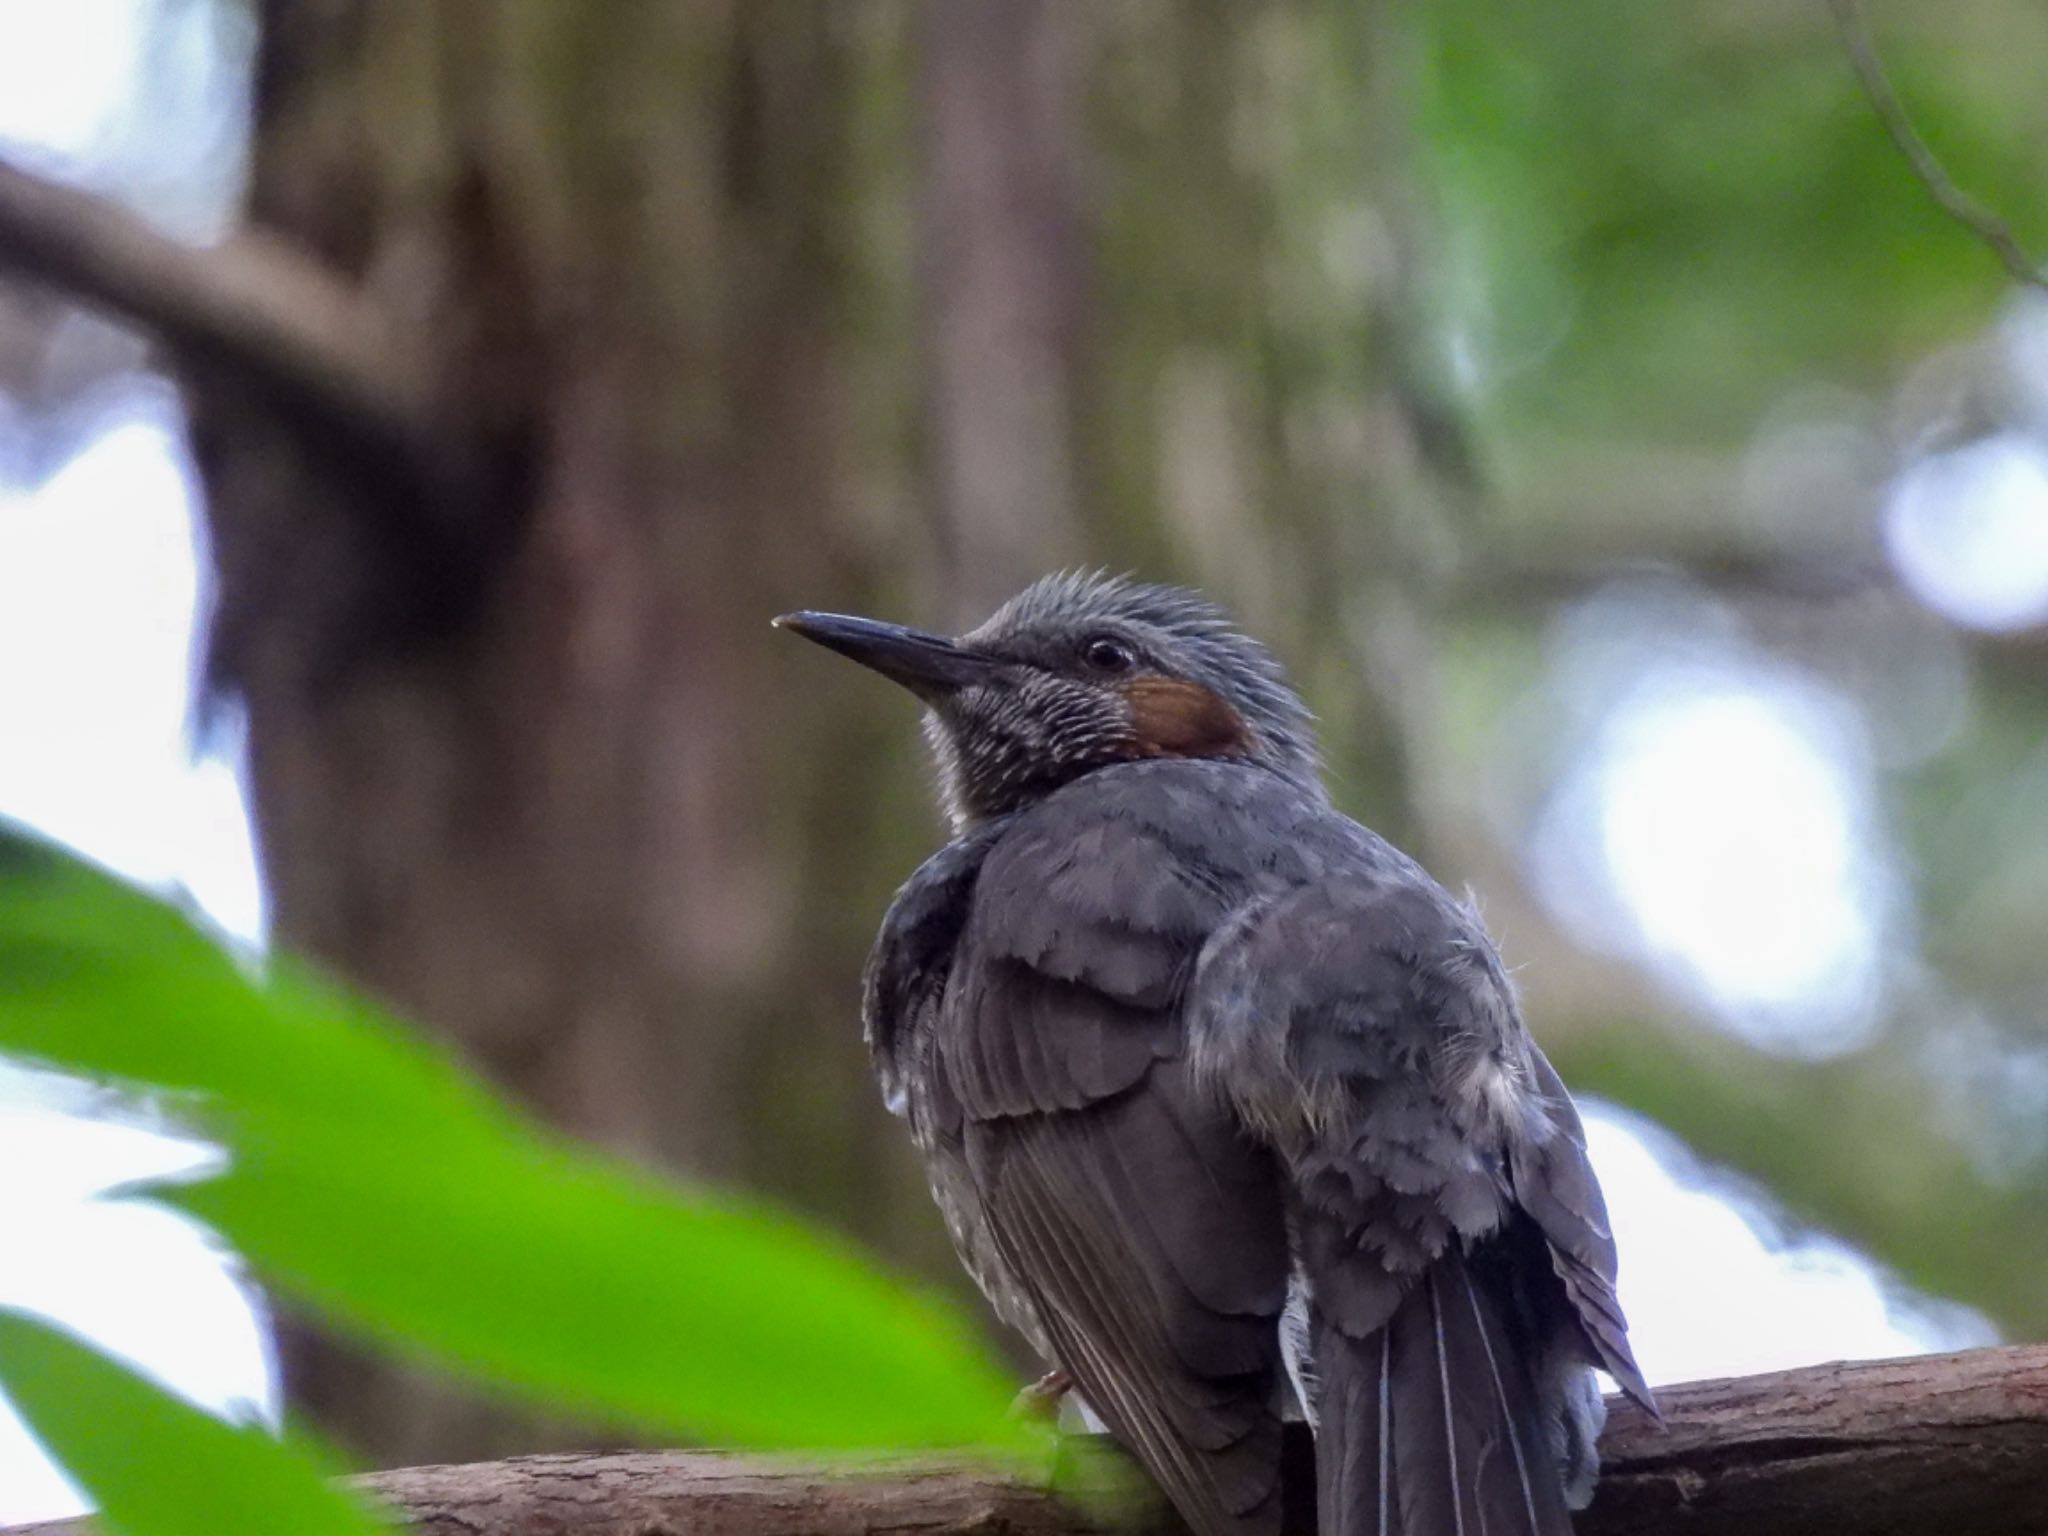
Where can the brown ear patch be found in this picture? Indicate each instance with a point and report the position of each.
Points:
(1171, 717)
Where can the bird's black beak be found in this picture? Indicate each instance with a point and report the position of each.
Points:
(930, 666)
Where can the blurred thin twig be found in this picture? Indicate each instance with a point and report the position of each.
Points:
(261, 308)
(1952, 199)
(250, 301)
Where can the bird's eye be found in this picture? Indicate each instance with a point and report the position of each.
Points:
(1106, 653)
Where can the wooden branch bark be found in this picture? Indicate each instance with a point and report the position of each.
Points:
(1926, 1446)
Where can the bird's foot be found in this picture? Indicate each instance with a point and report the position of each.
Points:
(1041, 1400)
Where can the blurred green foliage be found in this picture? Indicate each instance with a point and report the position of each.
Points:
(1652, 226)
(156, 1464)
(368, 1177)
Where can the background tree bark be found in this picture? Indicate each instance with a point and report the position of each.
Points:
(722, 310)
(532, 774)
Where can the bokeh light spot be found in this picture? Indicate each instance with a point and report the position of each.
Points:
(1689, 1242)
(67, 72)
(1715, 822)
(1968, 531)
(1726, 826)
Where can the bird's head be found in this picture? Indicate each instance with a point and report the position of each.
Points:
(1079, 672)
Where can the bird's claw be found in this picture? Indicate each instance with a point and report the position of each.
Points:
(1041, 1400)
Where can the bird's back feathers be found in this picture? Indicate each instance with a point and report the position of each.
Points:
(1195, 1038)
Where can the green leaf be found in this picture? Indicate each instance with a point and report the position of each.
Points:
(170, 1469)
(372, 1179)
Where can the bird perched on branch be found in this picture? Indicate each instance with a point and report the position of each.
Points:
(1227, 1104)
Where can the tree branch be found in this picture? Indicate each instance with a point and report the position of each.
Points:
(1915, 1447)
(1952, 199)
(251, 304)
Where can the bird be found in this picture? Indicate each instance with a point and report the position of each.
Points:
(1228, 1106)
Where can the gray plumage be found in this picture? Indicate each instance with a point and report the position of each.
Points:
(1227, 1105)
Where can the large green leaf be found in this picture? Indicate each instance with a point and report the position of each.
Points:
(154, 1463)
(370, 1178)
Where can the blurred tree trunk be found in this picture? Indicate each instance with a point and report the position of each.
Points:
(527, 762)
(529, 768)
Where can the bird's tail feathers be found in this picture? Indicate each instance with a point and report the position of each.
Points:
(1431, 1426)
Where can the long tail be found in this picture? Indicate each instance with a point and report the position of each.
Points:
(1432, 1427)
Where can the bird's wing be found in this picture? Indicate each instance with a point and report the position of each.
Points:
(1364, 1024)
(1553, 1181)
(907, 969)
(1147, 1229)
(1154, 1251)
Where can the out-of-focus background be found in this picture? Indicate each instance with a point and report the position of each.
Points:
(1646, 482)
